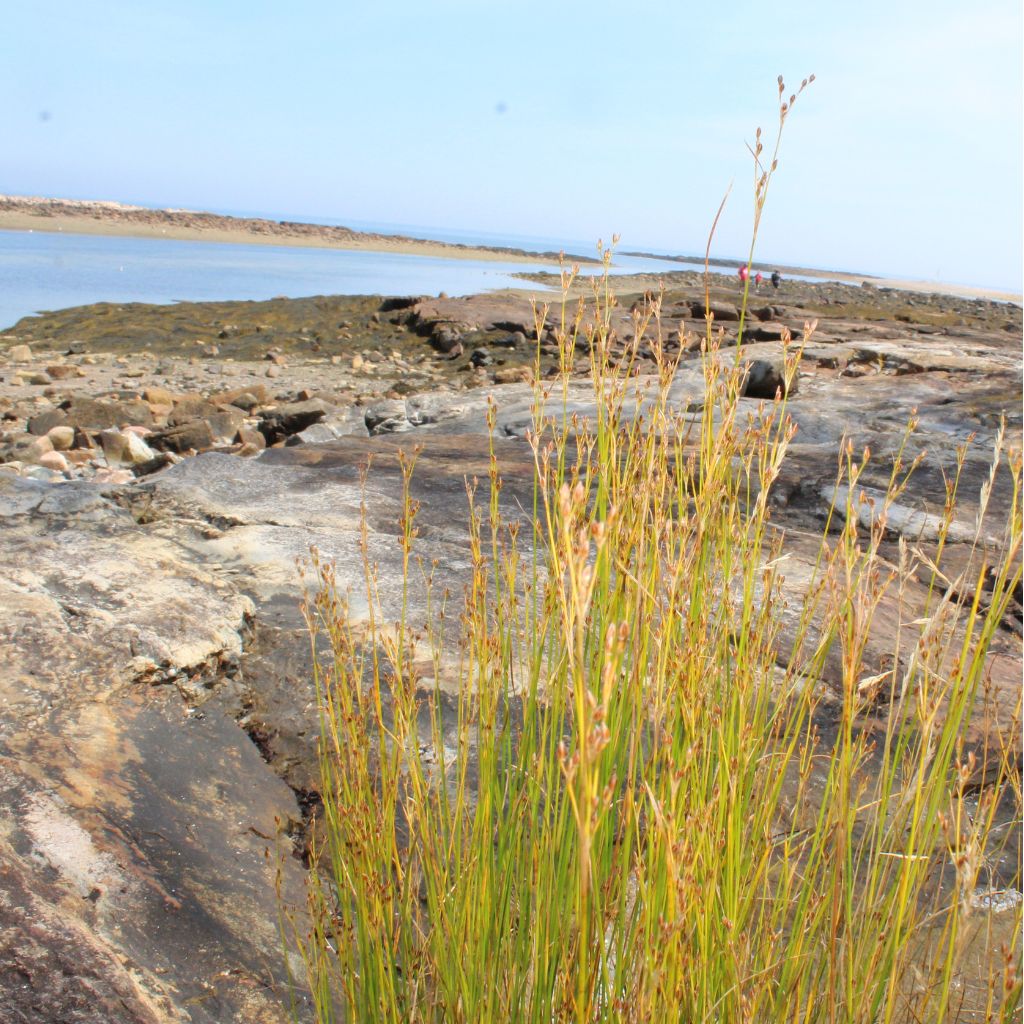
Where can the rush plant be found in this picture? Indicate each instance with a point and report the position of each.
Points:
(638, 809)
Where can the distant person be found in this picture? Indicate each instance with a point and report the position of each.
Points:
(744, 274)
(776, 279)
(758, 278)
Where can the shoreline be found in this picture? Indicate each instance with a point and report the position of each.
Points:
(903, 284)
(108, 219)
(111, 219)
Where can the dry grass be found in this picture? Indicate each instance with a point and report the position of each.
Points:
(634, 815)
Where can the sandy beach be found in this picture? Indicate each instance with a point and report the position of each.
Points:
(82, 217)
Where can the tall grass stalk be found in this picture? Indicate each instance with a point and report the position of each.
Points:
(634, 810)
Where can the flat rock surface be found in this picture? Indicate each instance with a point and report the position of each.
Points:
(157, 718)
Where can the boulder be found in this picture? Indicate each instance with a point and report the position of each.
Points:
(766, 377)
(91, 412)
(62, 437)
(445, 338)
(19, 354)
(195, 435)
(122, 447)
(27, 448)
(250, 436)
(285, 420)
(245, 398)
(721, 311)
(62, 371)
(158, 396)
(46, 421)
(771, 332)
(388, 417)
(54, 461)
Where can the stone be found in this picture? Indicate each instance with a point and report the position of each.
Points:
(29, 448)
(62, 437)
(250, 436)
(766, 377)
(722, 311)
(771, 332)
(39, 379)
(114, 477)
(480, 357)
(158, 396)
(511, 374)
(44, 422)
(195, 435)
(273, 370)
(53, 460)
(516, 340)
(62, 371)
(160, 460)
(19, 354)
(122, 447)
(445, 338)
(90, 412)
(315, 434)
(277, 424)
(387, 417)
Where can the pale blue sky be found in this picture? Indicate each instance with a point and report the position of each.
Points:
(557, 119)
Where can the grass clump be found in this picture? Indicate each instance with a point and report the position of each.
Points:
(629, 803)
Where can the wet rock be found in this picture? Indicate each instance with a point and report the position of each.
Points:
(480, 357)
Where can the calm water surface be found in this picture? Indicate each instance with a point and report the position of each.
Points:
(42, 271)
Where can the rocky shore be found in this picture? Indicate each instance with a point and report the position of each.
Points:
(164, 468)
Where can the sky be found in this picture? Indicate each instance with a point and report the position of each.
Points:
(557, 119)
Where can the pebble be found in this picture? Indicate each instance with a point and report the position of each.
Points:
(54, 461)
(61, 437)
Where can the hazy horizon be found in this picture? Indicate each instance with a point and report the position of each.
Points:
(563, 122)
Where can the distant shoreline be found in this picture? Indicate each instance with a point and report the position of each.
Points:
(85, 217)
(104, 218)
(963, 291)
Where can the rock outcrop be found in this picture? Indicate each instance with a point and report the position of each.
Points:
(157, 719)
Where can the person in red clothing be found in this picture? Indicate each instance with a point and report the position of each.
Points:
(758, 278)
(744, 273)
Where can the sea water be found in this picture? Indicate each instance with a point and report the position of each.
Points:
(43, 270)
